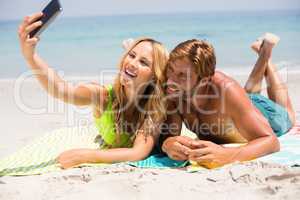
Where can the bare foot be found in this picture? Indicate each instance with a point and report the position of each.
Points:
(268, 38)
(271, 38)
(255, 46)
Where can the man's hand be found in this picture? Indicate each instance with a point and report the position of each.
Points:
(177, 147)
(211, 155)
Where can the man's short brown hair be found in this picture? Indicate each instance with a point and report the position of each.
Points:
(200, 53)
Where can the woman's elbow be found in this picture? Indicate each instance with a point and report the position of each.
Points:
(137, 156)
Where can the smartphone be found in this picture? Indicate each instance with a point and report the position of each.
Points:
(50, 12)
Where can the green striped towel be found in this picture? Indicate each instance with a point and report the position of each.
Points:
(39, 156)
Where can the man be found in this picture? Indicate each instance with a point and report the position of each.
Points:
(218, 109)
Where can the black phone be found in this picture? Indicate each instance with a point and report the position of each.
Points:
(50, 12)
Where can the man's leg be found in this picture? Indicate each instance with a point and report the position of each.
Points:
(254, 82)
(277, 90)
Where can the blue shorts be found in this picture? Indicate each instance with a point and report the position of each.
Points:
(276, 115)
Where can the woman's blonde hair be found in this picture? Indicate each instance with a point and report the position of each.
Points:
(153, 107)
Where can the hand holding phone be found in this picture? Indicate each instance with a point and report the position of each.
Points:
(33, 25)
(50, 12)
(28, 44)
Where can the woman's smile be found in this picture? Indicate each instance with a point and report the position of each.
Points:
(130, 73)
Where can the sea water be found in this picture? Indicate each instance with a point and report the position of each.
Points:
(87, 46)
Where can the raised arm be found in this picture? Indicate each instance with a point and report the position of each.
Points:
(82, 94)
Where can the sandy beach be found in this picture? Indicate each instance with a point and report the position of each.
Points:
(27, 112)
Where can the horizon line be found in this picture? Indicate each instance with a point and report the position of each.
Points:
(171, 12)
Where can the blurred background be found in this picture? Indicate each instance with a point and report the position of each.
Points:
(86, 38)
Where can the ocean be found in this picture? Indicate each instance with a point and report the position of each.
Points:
(85, 46)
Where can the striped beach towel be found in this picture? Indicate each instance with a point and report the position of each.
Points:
(40, 156)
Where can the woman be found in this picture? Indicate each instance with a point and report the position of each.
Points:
(127, 124)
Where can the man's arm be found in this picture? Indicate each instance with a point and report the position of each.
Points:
(250, 123)
(174, 145)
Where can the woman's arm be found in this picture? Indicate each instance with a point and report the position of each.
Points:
(83, 94)
(141, 149)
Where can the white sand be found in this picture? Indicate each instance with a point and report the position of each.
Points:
(253, 180)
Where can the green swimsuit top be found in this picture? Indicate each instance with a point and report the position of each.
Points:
(106, 126)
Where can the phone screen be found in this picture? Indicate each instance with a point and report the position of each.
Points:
(49, 14)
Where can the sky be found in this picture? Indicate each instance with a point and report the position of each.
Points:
(16, 9)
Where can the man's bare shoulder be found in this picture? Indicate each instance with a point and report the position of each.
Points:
(230, 89)
(224, 82)
(233, 94)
